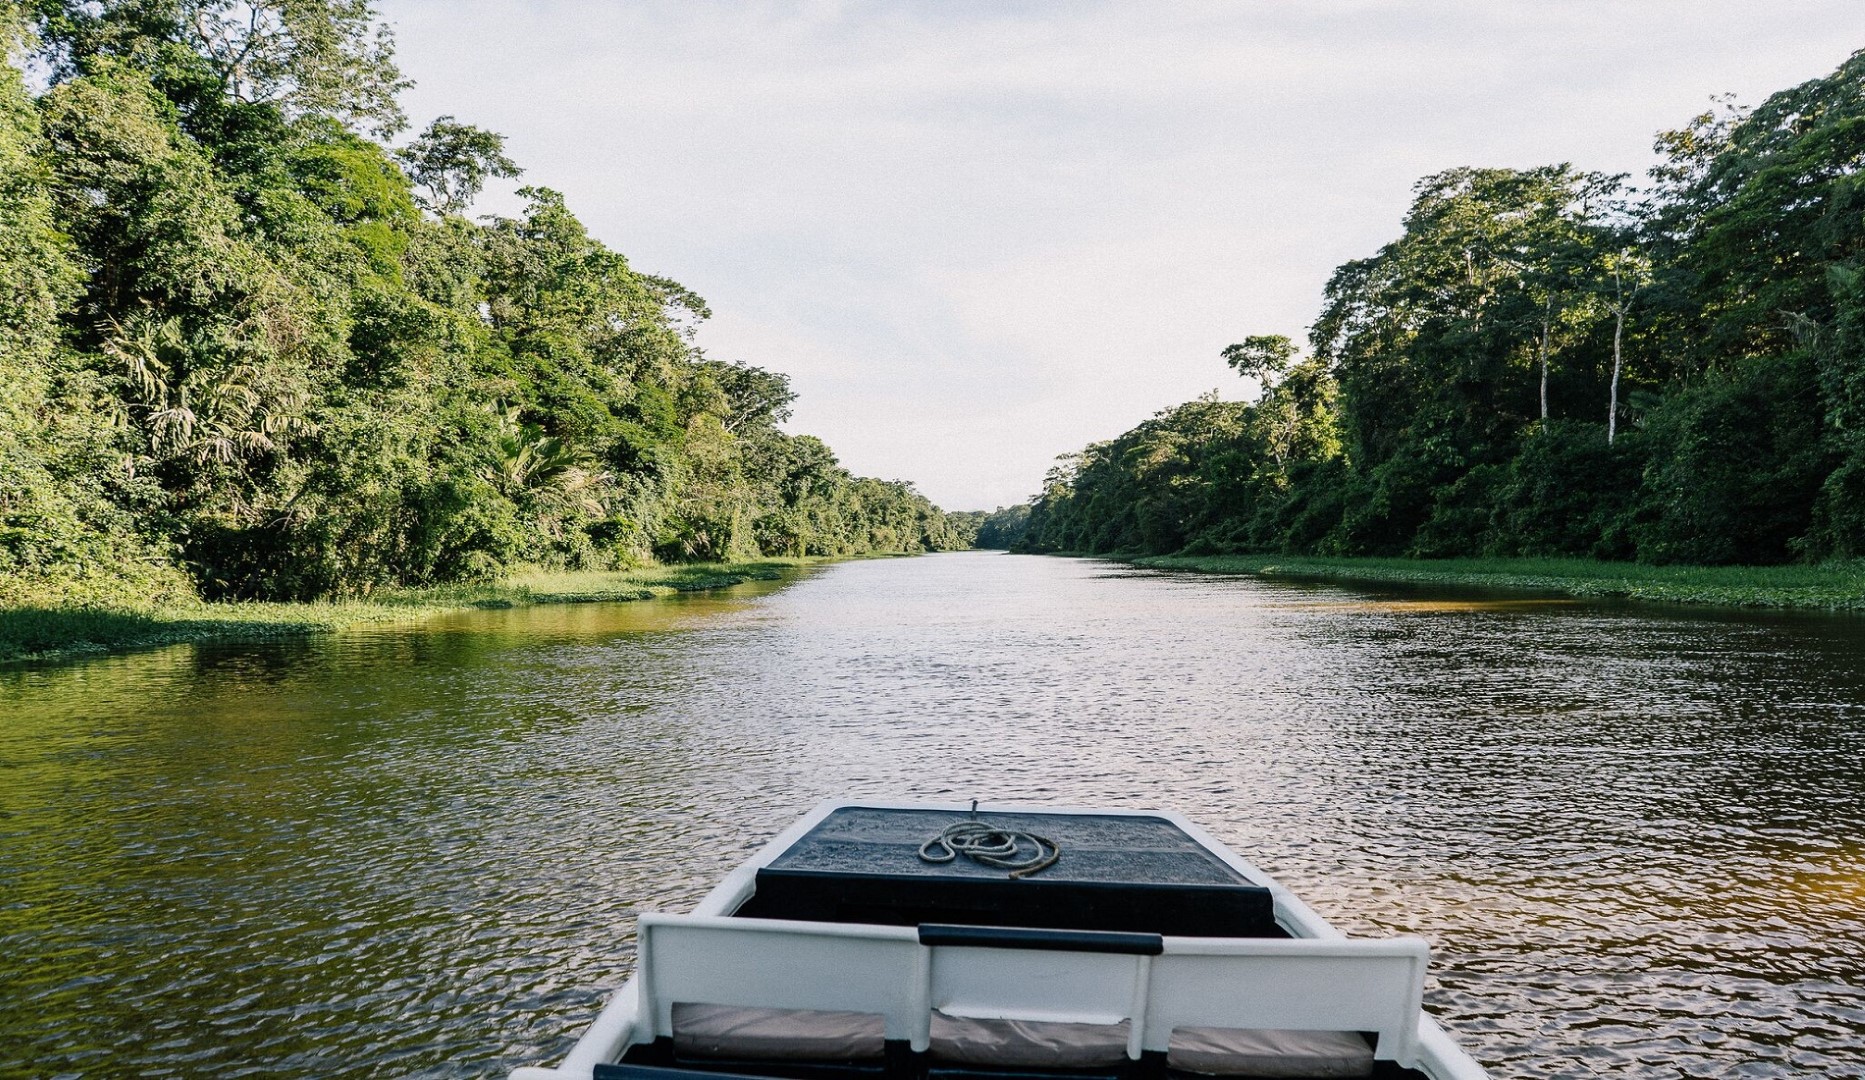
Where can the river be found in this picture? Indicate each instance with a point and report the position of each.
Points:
(1634, 835)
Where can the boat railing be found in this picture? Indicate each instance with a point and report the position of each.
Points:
(1153, 983)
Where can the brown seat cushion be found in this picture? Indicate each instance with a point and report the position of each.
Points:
(961, 1040)
(732, 1031)
(1269, 1052)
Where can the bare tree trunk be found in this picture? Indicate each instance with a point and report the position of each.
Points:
(1547, 319)
(1612, 410)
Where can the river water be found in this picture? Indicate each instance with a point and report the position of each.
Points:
(1635, 836)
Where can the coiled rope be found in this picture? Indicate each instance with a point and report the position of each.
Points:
(992, 846)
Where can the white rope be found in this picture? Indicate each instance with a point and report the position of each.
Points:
(992, 846)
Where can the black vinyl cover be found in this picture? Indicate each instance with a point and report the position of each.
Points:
(1116, 873)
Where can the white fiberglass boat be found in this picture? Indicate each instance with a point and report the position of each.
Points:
(927, 942)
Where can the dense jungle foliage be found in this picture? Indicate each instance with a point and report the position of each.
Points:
(249, 347)
(1547, 362)
(1001, 528)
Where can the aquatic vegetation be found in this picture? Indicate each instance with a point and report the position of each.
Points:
(54, 632)
(1836, 586)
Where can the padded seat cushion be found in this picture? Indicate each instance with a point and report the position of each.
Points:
(961, 1040)
(745, 1033)
(1269, 1052)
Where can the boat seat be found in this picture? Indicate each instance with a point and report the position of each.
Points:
(1028, 1044)
(748, 1033)
(1047, 1002)
(1269, 1052)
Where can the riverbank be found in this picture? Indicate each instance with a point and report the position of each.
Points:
(45, 633)
(1830, 586)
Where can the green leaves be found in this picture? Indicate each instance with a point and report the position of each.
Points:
(328, 58)
(452, 161)
(230, 340)
(192, 409)
(1470, 377)
(1264, 357)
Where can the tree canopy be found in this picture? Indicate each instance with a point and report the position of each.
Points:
(1548, 362)
(247, 349)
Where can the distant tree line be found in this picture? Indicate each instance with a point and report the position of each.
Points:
(251, 348)
(1547, 362)
(1001, 528)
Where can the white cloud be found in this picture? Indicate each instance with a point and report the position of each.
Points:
(980, 234)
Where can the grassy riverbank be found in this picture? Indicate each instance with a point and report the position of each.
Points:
(52, 633)
(1838, 586)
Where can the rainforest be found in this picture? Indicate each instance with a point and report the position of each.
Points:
(1546, 362)
(253, 345)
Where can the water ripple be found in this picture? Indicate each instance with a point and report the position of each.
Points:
(1631, 834)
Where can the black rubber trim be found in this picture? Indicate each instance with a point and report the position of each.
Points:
(1017, 937)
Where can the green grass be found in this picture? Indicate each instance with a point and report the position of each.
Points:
(54, 633)
(1838, 586)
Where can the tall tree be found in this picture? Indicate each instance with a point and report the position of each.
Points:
(330, 58)
(1625, 274)
(452, 162)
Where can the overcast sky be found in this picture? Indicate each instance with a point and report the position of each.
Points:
(979, 235)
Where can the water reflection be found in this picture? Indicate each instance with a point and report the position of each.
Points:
(1631, 833)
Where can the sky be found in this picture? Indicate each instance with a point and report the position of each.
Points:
(977, 235)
